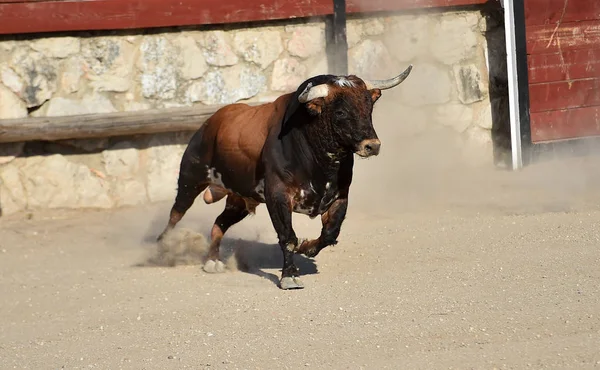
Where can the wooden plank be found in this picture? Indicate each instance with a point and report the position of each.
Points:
(565, 124)
(104, 125)
(74, 15)
(564, 95)
(568, 65)
(552, 12)
(567, 36)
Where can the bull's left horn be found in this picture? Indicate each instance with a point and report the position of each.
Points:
(310, 93)
(388, 84)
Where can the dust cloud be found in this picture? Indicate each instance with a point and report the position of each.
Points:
(180, 246)
(429, 164)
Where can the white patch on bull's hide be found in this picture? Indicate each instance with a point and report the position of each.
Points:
(260, 189)
(344, 82)
(215, 178)
(327, 186)
(300, 207)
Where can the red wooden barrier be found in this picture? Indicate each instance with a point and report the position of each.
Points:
(563, 47)
(26, 16)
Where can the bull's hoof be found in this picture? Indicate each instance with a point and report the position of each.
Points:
(290, 282)
(214, 267)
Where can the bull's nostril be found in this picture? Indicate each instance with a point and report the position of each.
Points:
(368, 148)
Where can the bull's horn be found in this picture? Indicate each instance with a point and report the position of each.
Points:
(388, 84)
(310, 93)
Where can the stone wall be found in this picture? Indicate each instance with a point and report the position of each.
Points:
(127, 71)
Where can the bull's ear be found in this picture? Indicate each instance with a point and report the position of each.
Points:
(375, 94)
(315, 106)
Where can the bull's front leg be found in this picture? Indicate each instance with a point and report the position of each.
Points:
(332, 221)
(280, 210)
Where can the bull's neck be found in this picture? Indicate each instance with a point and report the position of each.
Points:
(323, 147)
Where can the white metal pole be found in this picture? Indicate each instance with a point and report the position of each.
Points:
(513, 90)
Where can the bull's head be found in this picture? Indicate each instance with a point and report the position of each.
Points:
(345, 103)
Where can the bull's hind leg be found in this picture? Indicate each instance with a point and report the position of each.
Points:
(187, 192)
(235, 211)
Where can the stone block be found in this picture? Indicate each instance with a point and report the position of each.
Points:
(57, 47)
(164, 158)
(354, 33)
(73, 69)
(306, 41)
(217, 49)
(12, 193)
(192, 64)
(133, 106)
(38, 73)
(158, 64)
(110, 83)
(484, 117)
(288, 74)
(259, 47)
(89, 104)
(12, 80)
(319, 67)
(227, 85)
(7, 46)
(103, 54)
(457, 116)
(427, 84)
(54, 182)
(408, 37)
(108, 64)
(454, 39)
(373, 27)
(10, 105)
(129, 193)
(468, 81)
(121, 160)
(370, 59)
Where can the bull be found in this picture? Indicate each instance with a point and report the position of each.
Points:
(295, 154)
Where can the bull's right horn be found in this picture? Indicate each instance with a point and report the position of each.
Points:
(388, 84)
(313, 92)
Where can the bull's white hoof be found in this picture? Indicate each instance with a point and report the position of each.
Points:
(287, 283)
(214, 267)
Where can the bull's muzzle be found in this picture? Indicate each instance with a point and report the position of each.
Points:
(368, 148)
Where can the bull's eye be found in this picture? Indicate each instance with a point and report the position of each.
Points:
(340, 114)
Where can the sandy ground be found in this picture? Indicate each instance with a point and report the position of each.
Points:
(438, 266)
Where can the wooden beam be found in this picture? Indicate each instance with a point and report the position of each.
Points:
(105, 125)
(26, 16)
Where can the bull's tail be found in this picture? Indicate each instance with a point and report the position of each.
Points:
(193, 179)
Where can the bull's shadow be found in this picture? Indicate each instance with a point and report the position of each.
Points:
(247, 256)
(253, 256)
